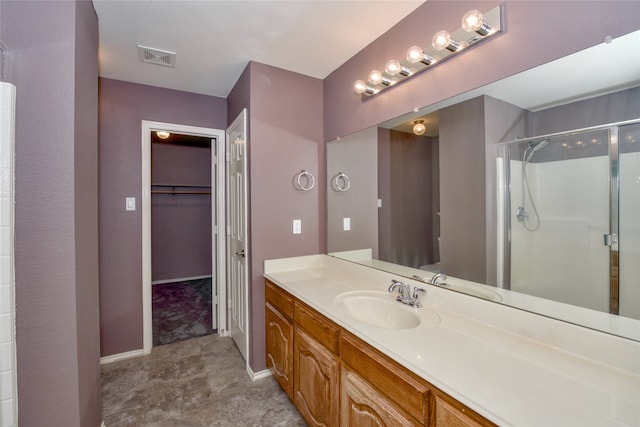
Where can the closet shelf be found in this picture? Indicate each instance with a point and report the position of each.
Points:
(179, 189)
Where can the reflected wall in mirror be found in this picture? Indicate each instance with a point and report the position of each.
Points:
(432, 202)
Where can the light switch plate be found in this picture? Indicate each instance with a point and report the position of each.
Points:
(130, 204)
(297, 226)
(346, 224)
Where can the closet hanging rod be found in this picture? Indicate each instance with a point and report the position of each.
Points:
(180, 185)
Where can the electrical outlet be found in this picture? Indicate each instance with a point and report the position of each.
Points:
(130, 204)
(346, 224)
(297, 226)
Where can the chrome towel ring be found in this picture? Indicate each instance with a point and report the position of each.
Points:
(341, 182)
(304, 181)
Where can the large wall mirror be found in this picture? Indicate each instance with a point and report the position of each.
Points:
(524, 192)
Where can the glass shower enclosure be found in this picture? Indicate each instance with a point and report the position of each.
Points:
(569, 217)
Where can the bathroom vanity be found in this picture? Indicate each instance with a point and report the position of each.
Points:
(347, 353)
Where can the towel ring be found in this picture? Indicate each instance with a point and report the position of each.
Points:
(309, 181)
(341, 182)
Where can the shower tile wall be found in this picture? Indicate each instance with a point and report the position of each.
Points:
(8, 388)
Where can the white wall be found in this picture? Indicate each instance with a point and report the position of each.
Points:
(8, 387)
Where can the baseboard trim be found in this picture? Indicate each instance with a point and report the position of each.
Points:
(121, 356)
(258, 375)
(180, 279)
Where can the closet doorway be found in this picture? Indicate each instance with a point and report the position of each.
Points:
(183, 206)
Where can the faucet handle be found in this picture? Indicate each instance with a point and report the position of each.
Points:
(417, 291)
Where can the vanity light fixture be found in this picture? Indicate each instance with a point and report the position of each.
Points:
(163, 134)
(416, 54)
(419, 128)
(361, 88)
(376, 78)
(476, 27)
(474, 21)
(394, 68)
(442, 40)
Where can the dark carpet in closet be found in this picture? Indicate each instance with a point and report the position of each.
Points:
(181, 310)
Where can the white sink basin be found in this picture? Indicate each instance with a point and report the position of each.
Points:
(380, 309)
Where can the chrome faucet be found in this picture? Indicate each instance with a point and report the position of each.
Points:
(436, 277)
(405, 295)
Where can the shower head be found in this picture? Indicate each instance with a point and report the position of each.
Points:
(533, 147)
(537, 146)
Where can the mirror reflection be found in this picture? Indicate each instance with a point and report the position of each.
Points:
(505, 188)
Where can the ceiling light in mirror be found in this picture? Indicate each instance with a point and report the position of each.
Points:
(419, 128)
(163, 134)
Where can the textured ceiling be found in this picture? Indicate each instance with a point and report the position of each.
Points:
(214, 40)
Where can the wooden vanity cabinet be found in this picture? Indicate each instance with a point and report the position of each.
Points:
(336, 379)
(376, 387)
(279, 336)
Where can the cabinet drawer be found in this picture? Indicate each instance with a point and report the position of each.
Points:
(450, 412)
(279, 299)
(319, 327)
(391, 379)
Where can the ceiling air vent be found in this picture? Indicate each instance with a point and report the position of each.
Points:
(157, 56)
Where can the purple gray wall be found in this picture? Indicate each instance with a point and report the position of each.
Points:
(410, 202)
(535, 32)
(357, 157)
(285, 136)
(53, 63)
(123, 106)
(180, 223)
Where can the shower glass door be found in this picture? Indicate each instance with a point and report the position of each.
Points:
(629, 147)
(572, 218)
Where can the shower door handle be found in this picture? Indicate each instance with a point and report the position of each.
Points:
(610, 240)
(241, 253)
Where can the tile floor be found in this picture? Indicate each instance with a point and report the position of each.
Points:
(197, 382)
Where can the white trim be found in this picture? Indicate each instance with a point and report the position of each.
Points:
(258, 375)
(147, 127)
(121, 356)
(103, 424)
(180, 279)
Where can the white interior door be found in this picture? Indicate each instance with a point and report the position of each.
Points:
(238, 246)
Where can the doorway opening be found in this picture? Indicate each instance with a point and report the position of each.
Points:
(183, 239)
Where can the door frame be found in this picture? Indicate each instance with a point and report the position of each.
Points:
(218, 230)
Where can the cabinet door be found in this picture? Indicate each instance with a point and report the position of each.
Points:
(279, 336)
(363, 406)
(315, 390)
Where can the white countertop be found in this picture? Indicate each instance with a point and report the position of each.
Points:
(512, 367)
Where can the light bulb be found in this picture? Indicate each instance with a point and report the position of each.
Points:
(375, 77)
(442, 40)
(359, 87)
(474, 21)
(415, 54)
(393, 68)
(163, 134)
(419, 128)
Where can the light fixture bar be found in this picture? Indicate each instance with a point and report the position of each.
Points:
(475, 27)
